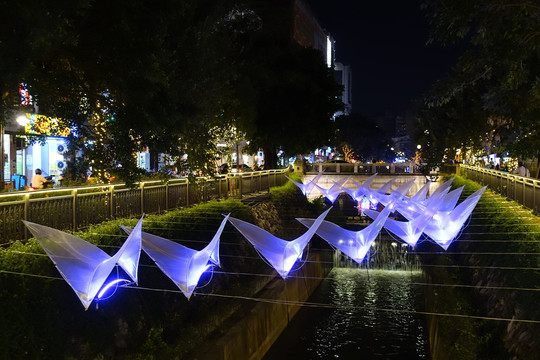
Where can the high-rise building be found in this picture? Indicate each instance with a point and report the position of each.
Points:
(343, 75)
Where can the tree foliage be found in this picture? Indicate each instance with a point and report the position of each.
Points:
(174, 78)
(497, 77)
(368, 141)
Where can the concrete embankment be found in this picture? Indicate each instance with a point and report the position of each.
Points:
(250, 333)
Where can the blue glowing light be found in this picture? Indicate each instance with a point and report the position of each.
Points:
(109, 285)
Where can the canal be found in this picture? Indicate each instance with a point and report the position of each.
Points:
(348, 317)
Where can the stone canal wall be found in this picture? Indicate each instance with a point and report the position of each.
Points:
(249, 334)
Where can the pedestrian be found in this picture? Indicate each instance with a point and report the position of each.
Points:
(521, 170)
(38, 181)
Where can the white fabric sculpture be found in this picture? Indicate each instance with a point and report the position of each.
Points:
(354, 244)
(308, 187)
(84, 266)
(281, 254)
(410, 231)
(184, 266)
(372, 195)
(361, 190)
(418, 204)
(394, 199)
(446, 225)
(333, 192)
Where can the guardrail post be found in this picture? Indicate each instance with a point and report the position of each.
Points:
(142, 197)
(111, 202)
(26, 213)
(166, 196)
(187, 192)
(75, 219)
(240, 186)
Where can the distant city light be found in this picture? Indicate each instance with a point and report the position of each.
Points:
(328, 51)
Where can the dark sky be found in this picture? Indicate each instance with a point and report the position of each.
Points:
(385, 43)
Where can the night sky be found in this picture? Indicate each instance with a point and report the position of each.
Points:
(385, 43)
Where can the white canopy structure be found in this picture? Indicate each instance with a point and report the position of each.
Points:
(446, 225)
(410, 231)
(184, 266)
(333, 192)
(84, 266)
(354, 244)
(393, 199)
(308, 187)
(372, 195)
(361, 190)
(281, 254)
(438, 217)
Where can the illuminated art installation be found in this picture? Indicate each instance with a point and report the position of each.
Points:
(306, 188)
(333, 192)
(84, 266)
(394, 198)
(440, 219)
(446, 225)
(354, 244)
(184, 266)
(361, 190)
(281, 254)
(372, 195)
(410, 231)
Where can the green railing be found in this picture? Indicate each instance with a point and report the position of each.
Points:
(79, 207)
(524, 190)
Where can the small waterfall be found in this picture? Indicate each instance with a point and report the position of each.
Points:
(386, 254)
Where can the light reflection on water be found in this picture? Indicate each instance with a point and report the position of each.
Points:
(362, 332)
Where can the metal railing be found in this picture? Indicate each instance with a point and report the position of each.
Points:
(79, 207)
(360, 168)
(524, 190)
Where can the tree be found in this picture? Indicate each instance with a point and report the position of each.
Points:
(500, 69)
(287, 92)
(126, 75)
(363, 135)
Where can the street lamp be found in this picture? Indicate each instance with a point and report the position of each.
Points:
(22, 120)
(418, 146)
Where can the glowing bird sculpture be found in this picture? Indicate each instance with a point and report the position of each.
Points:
(333, 192)
(184, 266)
(361, 190)
(394, 199)
(446, 225)
(354, 244)
(410, 231)
(306, 188)
(84, 266)
(281, 254)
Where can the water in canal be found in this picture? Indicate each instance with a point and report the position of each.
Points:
(356, 327)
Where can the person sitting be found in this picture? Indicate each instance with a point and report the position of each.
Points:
(38, 181)
(521, 170)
